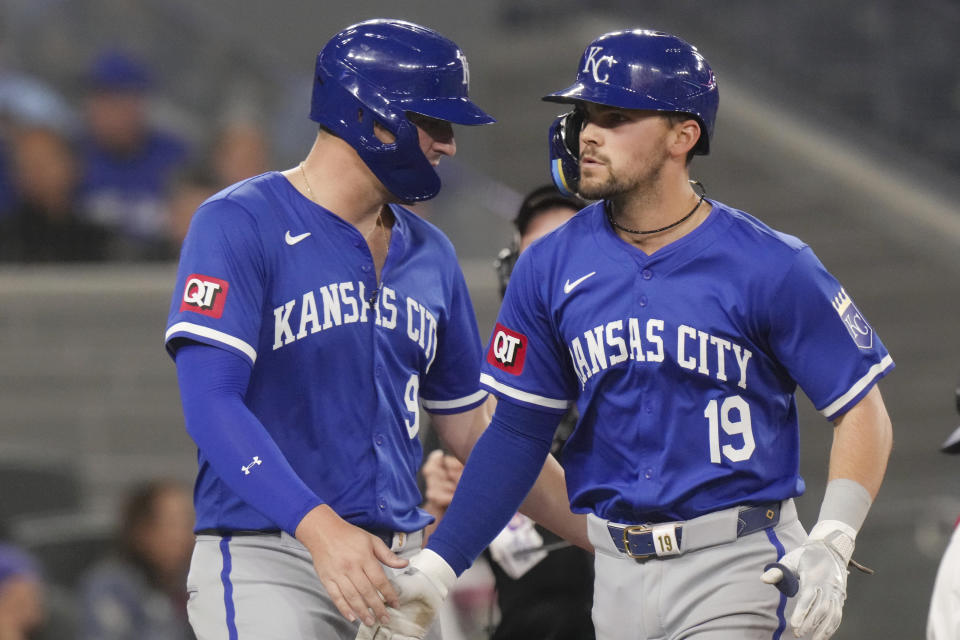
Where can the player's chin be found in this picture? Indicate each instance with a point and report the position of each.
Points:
(594, 189)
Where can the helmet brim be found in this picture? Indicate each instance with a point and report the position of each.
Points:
(456, 110)
(608, 95)
(572, 94)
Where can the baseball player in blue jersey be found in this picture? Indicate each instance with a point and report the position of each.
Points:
(312, 318)
(681, 328)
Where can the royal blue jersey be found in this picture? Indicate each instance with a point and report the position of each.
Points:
(683, 364)
(336, 382)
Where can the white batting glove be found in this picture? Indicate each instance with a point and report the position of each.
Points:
(421, 588)
(820, 564)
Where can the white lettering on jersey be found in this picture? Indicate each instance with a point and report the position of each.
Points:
(617, 342)
(598, 358)
(387, 297)
(636, 346)
(580, 365)
(364, 304)
(341, 306)
(331, 306)
(413, 332)
(742, 361)
(607, 348)
(349, 301)
(654, 324)
(704, 340)
(281, 332)
(308, 316)
(722, 347)
(683, 333)
(431, 348)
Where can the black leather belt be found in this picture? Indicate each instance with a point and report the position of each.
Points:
(637, 540)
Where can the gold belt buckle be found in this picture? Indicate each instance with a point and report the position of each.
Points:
(635, 528)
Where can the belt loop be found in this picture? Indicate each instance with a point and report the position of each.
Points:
(399, 539)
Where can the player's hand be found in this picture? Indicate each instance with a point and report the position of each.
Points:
(347, 561)
(441, 473)
(820, 565)
(422, 586)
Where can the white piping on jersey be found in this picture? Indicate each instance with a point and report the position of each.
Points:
(524, 396)
(213, 334)
(858, 386)
(452, 404)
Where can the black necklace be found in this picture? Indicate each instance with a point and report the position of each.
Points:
(669, 226)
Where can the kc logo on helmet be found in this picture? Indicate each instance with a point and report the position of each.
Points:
(508, 350)
(205, 295)
(591, 63)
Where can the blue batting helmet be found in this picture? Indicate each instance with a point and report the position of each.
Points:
(633, 69)
(377, 71)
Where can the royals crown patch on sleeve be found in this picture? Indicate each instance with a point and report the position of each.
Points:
(508, 350)
(860, 331)
(205, 295)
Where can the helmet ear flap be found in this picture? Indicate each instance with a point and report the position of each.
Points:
(504, 263)
(564, 138)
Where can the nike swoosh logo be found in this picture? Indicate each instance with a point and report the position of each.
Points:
(292, 240)
(569, 286)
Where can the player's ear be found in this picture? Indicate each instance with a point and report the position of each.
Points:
(684, 137)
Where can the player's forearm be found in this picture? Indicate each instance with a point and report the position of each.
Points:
(481, 507)
(862, 441)
(548, 504)
(459, 432)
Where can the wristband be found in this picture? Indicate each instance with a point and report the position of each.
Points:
(845, 501)
(430, 564)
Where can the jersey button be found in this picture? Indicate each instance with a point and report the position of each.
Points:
(643, 301)
(378, 440)
(647, 274)
(382, 504)
(365, 268)
(648, 474)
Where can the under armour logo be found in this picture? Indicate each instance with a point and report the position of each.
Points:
(256, 461)
(592, 64)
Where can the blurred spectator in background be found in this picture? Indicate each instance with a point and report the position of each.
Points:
(140, 594)
(43, 225)
(943, 619)
(26, 101)
(129, 166)
(544, 585)
(21, 594)
(190, 189)
(240, 151)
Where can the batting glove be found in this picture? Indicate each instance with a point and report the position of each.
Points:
(421, 588)
(820, 565)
